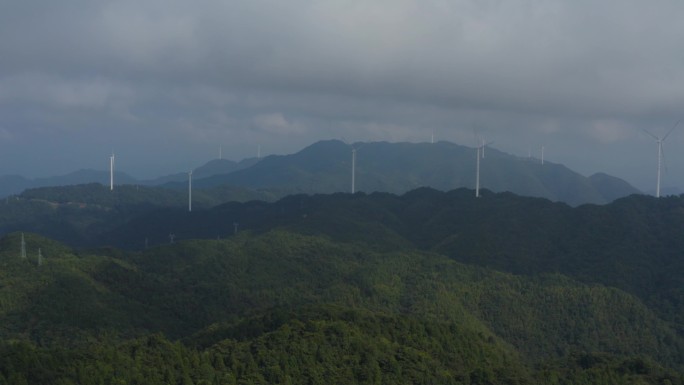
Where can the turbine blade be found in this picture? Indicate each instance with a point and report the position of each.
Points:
(671, 129)
(651, 135)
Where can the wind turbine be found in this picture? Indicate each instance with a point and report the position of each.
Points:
(660, 141)
(477, 175)
(111, 172)
(353, 180)
(542, 154)
(190, 191)
(483, 146)
(480, 152)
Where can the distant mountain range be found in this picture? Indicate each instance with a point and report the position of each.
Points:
(325, 167)
(14, 184)
(211, 168)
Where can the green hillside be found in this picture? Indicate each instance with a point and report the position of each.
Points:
(633, 244)
(80, 214)
(613, 244)
(425, 287)
(286, 308)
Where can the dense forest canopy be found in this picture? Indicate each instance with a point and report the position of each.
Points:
(426, 287)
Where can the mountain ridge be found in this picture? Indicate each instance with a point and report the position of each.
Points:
(325, 167)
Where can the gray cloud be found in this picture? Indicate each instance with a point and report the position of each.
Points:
(167, 77)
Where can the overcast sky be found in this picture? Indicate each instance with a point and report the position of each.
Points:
(163, 83)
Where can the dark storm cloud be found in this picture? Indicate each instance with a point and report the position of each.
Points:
(283, 74)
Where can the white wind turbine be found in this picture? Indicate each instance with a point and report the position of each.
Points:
(480, 153)
(111, 172)
(659, 141)
(353, 179)
(483, 146)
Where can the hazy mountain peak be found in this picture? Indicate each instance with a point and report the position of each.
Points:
(325, 167)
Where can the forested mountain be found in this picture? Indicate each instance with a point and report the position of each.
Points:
(634, 243)
(80, 214)
(391, 282)
(280, 307)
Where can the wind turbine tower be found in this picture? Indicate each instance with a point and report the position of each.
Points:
(111, 172)
(659, 141)
(477, 175)
(480, 153)
(353, 181)
(542, 154)
(40, 257)
(190, 191)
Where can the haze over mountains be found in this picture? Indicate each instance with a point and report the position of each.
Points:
(325, 167)
(14, 184)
